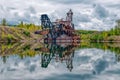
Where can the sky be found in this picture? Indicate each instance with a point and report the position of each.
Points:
(88, 14)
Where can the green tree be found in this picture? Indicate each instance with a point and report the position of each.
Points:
(4, 22)
(21, 24)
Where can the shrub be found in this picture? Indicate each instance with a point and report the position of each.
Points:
(26, 33)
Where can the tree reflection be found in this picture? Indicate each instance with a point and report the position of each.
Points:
(63, 52)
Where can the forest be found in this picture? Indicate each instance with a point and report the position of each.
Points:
(112, 35)
(25, 32)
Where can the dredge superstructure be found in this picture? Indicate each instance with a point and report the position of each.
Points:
(60, 31)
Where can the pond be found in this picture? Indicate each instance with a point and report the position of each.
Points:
(86, 61)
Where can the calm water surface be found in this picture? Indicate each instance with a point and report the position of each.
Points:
(95, 61)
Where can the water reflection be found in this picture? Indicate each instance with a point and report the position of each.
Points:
(62, 60)
(61, 53)
(57, 52)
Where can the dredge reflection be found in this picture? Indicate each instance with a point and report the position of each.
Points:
(57, 52)
(63, 53)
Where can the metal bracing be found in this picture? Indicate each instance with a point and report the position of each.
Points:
(45, 22)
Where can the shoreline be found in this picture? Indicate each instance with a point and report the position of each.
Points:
(17, 34)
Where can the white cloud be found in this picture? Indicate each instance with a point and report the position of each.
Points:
(90, 15)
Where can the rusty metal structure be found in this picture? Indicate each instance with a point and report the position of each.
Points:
(59, 31)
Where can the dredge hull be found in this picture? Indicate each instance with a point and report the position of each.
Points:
(63, 40)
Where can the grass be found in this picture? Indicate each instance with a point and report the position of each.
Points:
(15, 34)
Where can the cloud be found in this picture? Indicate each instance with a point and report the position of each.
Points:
(82, 18)
(70, 1)
(100, 11)
(90, 15)
(31, 10)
